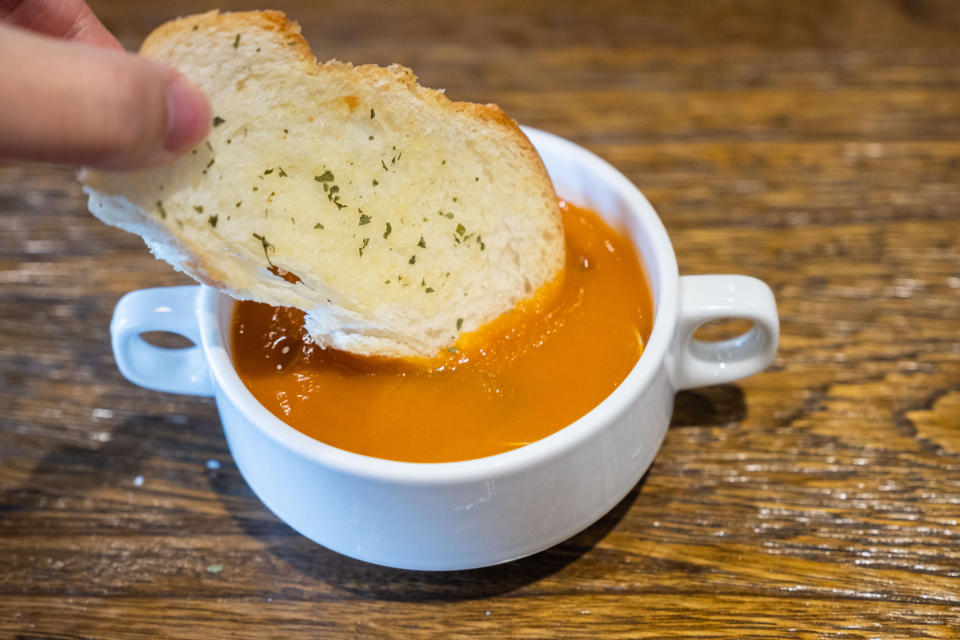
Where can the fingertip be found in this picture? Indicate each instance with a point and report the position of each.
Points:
(188, 115)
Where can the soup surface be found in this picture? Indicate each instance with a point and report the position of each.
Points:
(524, 376)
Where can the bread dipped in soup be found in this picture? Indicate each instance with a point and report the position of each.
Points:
(396, 219)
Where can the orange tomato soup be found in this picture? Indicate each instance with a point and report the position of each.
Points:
(526, 375)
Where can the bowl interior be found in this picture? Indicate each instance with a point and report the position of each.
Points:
(582, 179)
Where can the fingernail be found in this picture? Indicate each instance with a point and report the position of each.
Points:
(188, 115)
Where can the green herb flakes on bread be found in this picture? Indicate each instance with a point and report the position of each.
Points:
(395, 218)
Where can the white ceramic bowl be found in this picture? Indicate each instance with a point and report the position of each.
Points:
(479, 512)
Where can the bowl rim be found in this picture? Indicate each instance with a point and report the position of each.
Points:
(559, 443)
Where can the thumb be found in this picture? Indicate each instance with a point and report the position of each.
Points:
(78, 104)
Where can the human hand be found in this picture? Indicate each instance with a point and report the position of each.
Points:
(70, 94)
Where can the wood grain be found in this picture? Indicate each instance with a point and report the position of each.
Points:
(815, 145)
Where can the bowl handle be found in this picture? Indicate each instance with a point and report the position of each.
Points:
(171, 309)
(695, 363)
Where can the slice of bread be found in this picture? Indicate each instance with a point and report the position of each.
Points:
(395, 218)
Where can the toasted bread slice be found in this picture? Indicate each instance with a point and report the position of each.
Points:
(395, 218)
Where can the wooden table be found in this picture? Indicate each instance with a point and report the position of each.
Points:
(815, 145)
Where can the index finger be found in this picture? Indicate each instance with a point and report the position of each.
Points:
(64, 19)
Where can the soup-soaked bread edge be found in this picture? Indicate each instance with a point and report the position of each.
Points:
(348, 316)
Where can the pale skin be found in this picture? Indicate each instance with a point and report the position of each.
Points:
(70, 94)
